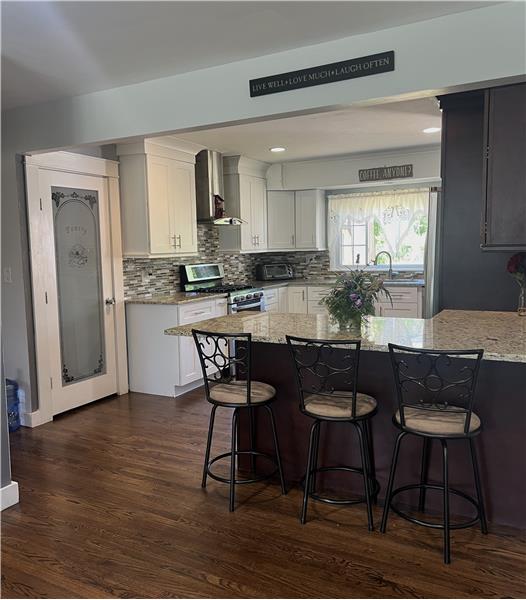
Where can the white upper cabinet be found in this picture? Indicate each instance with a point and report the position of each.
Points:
(158, 204)
(297, 220)
(281, 220)
(246, 198)
(311, 220)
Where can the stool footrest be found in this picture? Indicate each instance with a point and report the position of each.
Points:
(329, 500)
(430, 524)
(271, 459)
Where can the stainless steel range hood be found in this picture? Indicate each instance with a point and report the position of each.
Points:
(209, 190)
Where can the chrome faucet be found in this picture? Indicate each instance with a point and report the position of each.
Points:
(375, 261)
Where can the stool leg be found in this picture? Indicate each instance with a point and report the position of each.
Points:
(364, 454)
(276, 447)
(370, 455)
(478, 487)
(251, 438)
(423, 474)
(447, 557)
(308, 473)
(208, 444)
(392, 472)
(233, 461)
(315, 458)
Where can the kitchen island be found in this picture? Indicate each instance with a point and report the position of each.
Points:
(500, 399)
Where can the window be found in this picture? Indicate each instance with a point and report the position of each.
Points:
(363, 224)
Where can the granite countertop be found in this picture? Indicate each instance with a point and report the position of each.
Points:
(176, 298)
(502, 335)
(329, 282)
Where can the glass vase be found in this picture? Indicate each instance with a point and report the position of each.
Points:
(521, 310)
(352, 325)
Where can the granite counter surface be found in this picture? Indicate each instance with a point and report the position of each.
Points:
(177, 298)
(330, 282)
(502, 335)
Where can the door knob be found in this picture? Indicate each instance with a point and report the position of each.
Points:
(110, 301)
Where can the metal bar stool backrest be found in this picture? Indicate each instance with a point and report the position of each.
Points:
(225, 359)
(435, 380)
(325, 367)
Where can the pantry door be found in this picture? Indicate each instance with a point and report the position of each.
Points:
(75, 311)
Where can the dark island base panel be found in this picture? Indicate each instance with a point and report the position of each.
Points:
(501, 404)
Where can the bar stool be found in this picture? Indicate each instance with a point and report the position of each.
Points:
(435, 392)
(327, 372)
(226, 364)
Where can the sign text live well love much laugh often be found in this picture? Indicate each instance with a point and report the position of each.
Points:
(339, 71)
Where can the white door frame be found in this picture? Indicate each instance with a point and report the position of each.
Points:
(82, 165)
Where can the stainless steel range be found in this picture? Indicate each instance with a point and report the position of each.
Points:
(208, 278)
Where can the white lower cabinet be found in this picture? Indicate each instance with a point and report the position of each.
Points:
(272, 300)
(405, 302)
(163, 364)
(283, 300)
(297, 299)
(314, 295)
(277, 299)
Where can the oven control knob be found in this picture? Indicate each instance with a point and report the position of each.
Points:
(248, 296)
(259, 294)
(236, 299)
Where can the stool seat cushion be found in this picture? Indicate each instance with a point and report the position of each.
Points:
(432, 420)
(339, 405)
(235, 392)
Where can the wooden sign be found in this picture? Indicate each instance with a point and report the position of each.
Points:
(338, 71)
(382, 173)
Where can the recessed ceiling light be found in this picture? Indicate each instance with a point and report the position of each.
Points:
(277, 149)
(431, 129)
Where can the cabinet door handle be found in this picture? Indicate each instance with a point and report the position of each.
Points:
(253, 240)
(303, 295)
(179, 244)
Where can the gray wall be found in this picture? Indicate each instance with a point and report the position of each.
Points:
(469, 277)
(17, 323)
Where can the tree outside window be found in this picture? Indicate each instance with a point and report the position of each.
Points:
(361, 225)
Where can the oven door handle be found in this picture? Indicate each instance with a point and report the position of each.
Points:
(238, 307)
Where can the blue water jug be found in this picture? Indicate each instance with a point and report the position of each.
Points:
(13, 405)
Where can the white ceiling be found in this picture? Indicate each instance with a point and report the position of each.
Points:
(346, 131)
(56, 49)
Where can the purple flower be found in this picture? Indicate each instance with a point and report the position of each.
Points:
(358, 303)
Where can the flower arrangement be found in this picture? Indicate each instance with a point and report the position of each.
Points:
(353, 297)
(517, 269)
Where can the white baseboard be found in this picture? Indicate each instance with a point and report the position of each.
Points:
(180, 390)
(34, 419)
(9, 495)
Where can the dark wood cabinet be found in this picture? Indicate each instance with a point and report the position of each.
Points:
(503, 222)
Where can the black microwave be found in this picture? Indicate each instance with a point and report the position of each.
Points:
(274, 271)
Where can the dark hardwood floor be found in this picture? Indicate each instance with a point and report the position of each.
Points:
(111, 506)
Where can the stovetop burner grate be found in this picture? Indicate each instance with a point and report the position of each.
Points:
(225, 289)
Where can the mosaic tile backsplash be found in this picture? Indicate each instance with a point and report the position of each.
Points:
(152, 276)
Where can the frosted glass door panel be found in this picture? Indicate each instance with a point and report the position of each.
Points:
(79, 283)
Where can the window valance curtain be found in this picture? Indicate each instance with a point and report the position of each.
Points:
(393, 211)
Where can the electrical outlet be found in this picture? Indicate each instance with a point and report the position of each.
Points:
(144, 276)
(7, 275)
